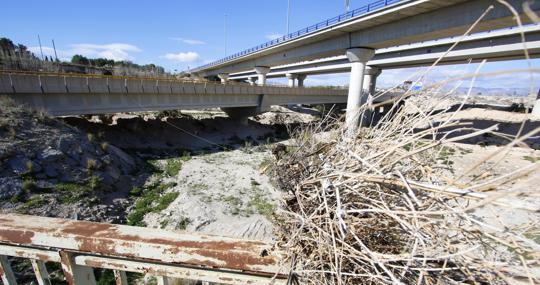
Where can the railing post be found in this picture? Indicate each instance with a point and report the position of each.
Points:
(120, 277)
(7, 274)
(76, 274)
(162, 280)
(40, 270)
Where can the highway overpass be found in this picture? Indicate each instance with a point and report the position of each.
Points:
(497, 45)
(358, 34)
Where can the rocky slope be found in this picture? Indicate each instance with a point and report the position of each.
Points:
(49, 168)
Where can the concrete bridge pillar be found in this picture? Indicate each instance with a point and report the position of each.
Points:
(261, 74)
(370, 79)
(301, 78)
(252, 80)
(358, 58)
(291, 78)
(224, 77)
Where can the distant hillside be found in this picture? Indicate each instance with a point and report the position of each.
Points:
(18, 57)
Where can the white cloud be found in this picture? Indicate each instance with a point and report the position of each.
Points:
(116, 51)
(273, 36)
(182, 56)
(189, 41)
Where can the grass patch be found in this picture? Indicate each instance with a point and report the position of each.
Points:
(532, 159)
(151, 200)
(183, 224)
(72, 193)
(261, 205)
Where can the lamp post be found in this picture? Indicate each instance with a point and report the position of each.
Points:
(225, 31)
(288, 14)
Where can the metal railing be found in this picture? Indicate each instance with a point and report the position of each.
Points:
(353, 14)
(80, 246)
(39, 76)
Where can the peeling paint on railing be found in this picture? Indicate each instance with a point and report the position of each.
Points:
(80, 245)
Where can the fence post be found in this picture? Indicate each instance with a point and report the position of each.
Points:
(162, 280)
(120, 277)
(76, 274)
(7, 274)
(40, 270)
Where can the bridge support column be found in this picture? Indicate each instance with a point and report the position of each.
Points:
(241, 114)
(370, 79)
(261, 73)
(358, 58)
(291, 78)
(252, 80)
(224, 77)
(301, 78)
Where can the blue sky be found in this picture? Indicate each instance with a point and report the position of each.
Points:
(178, 34)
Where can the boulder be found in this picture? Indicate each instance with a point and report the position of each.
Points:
(50, 155)
(18, 164)
(127, 162)
(9, 187)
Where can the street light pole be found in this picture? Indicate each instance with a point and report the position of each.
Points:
(225, 31)
(347, 5)
(288, 14)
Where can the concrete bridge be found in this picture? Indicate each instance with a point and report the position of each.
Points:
(385, 24)
(71, 94)
(500, 45)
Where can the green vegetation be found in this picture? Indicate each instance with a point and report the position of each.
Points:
(164, 223)
(103, 62)
(444, 155)
(152, 199)
(170, 167)
(72, 193)
(261, 204)
(532, 159)
(183, 224)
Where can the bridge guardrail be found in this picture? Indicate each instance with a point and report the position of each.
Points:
(353, 14)
(80, 246)
(14, 82)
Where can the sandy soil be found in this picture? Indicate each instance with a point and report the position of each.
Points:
(224, 194)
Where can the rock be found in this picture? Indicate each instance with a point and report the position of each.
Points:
(36, 167)
(90, 162)
(113, 171)
(50, 155)
(18, 164)
(105, 179)
(64, 144)
(106, 159)
(124, 183)
(51, 172)
(128, 163)
(9, 187)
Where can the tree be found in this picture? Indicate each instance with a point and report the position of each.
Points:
(79, 59)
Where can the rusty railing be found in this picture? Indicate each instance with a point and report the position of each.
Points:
(81, 246)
